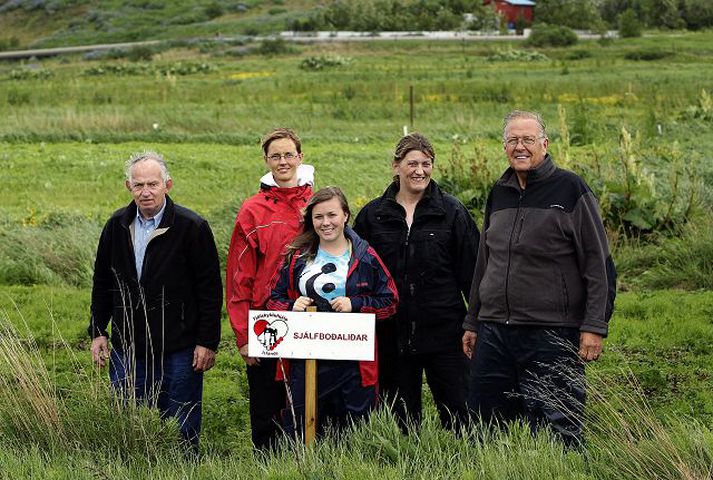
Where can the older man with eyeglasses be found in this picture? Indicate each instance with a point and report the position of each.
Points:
(543, 290)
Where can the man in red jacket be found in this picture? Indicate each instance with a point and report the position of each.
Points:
(265, 224)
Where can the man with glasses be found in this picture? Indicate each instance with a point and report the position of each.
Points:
(542, 292)
(157, 280)
(266, 223)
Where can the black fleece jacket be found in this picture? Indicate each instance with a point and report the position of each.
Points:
(177, 301)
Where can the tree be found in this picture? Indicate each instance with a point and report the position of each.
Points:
(581, 14)
(629, 25)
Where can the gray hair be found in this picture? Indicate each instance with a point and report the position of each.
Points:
(515, 114)
(147, 155)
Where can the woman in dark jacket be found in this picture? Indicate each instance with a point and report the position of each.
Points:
(330, 267)
(428, 241)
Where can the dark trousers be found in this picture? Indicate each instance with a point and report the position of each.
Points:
(167, 382)
(341, 398)
(447, 378)
(267, 399)
(530, 373)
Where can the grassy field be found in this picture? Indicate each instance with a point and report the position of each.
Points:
(70, 123)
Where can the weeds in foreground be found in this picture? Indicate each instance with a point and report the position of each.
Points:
(85, 416)
(84, 432)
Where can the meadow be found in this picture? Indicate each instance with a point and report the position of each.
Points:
(639, 131)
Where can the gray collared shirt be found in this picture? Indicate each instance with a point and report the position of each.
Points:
(143, 228)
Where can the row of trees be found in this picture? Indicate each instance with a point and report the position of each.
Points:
(397, 15)
(675, 14)
(384, 15)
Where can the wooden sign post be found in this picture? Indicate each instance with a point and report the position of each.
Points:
(310, 396)
(311, 336)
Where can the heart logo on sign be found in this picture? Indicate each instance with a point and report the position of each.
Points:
(270, 334)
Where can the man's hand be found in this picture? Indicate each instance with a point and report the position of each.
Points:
(469, 338)
(341, 305)
(590, 346)
(203, 359)
(301, 304)
(100, 351)
(249, 361)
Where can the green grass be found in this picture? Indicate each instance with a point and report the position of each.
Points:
(65, 136)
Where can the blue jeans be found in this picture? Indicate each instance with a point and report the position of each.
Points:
(167, 382)
(341, 398)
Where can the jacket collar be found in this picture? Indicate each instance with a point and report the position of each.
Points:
(430, 204)
(537, 174)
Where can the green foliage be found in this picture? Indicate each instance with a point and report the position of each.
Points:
(647, 55)
(579, 14)
(178, 68)
(11, 43)
(392, 15)
(514, 55)
(324, 61)
(276, 46)
(703, 110)
(629, 26)
(30, 74)
(683, 260)
(544, 35)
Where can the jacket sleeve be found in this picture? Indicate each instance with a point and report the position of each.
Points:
(280, 298)
(592, 256)
(239, 277)
(471, 318)
(465, 249)
(383, 299)
(361, 224)
(207, 285)
(102, 287)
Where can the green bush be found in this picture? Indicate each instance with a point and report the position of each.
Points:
(324, 61)
(629, 25)
(647, 55)
(276, 46)
(513, 55)
(544, 35)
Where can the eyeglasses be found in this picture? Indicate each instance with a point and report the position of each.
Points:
(527, 141)
(276, 157)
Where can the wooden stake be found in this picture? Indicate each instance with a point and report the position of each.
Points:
(310, 396)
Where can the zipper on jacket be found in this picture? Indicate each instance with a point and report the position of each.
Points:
(507, 271)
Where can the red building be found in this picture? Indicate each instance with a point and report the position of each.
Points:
(512, 10)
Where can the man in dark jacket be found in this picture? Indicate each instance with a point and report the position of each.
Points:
(157, 280)
(542, 292)
(428, 241)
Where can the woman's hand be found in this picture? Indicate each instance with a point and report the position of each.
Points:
(341, 305)
(301, 304)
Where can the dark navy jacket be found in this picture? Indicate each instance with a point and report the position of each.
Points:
(369, 287)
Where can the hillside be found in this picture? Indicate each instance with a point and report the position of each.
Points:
(46, 23)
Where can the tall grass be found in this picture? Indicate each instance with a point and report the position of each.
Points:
(85, 415)
(83, 431)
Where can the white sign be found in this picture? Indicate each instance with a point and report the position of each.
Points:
(318, 335)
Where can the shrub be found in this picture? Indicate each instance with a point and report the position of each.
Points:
(214, 10)
(276, 46)
(544, 35)
(512, 55)
(324, 61)
(578, 55)
(629, 25)
(647, 55)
